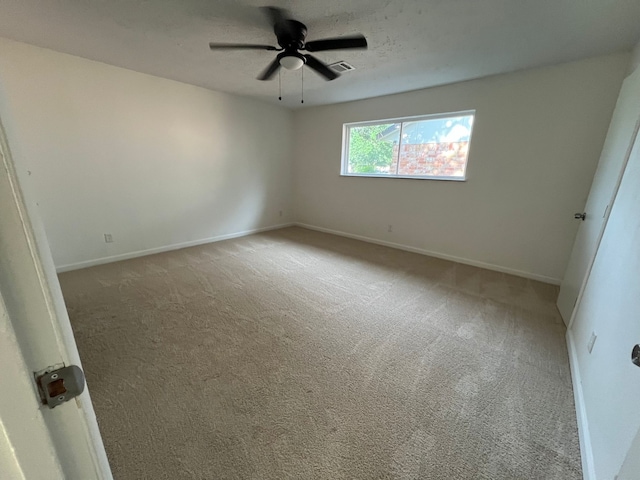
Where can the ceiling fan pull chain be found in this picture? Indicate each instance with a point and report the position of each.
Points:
(279, 85)
(302, 89)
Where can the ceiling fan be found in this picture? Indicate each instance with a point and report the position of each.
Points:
(291, 36)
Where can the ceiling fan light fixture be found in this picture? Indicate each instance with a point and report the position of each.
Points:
(291, 62)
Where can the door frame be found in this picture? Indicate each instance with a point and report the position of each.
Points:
(35, 441)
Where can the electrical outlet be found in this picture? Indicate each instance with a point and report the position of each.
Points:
(592, 340)
(108, 238)
(390, 229)
(280, 212)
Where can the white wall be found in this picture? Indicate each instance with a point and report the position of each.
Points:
(152, 161)
(607, 383)
(635, 59)
(631, 467)
(159, 163)
(536, 143)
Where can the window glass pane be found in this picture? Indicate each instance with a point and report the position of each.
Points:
(435, 147)
(373, 148)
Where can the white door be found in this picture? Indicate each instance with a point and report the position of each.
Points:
(610, 307)
(617, 146)
(37, 442)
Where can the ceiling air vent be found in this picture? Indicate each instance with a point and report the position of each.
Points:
(341, 67)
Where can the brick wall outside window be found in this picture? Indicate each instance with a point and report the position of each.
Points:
(431, 159)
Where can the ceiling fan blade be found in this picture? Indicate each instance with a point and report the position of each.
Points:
(276, 15)
(280, 20)
(240, 46)
(270, 71)
(355, 41)
(320, 67)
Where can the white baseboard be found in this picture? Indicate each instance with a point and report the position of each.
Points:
(586, 452)
(444, 256)
(166, 248)
(193, 243)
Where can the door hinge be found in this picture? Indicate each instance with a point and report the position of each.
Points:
(57, 385)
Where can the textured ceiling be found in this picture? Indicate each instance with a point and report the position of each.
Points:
(412, 43)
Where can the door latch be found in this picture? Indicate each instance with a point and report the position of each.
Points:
(580, 216)
(60, 385)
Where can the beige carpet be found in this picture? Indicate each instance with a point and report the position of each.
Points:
(296, 354)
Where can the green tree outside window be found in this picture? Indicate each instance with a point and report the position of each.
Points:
(367, 153)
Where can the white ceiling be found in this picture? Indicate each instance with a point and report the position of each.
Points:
(413, 44)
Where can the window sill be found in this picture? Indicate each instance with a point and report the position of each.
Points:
(407, 177)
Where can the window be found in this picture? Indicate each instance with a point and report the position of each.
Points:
(432, 147)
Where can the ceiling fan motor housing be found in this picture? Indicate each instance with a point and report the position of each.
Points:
(291, 34)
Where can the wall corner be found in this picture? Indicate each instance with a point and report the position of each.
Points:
(634, 64)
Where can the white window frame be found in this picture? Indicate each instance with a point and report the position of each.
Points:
(344, 165)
